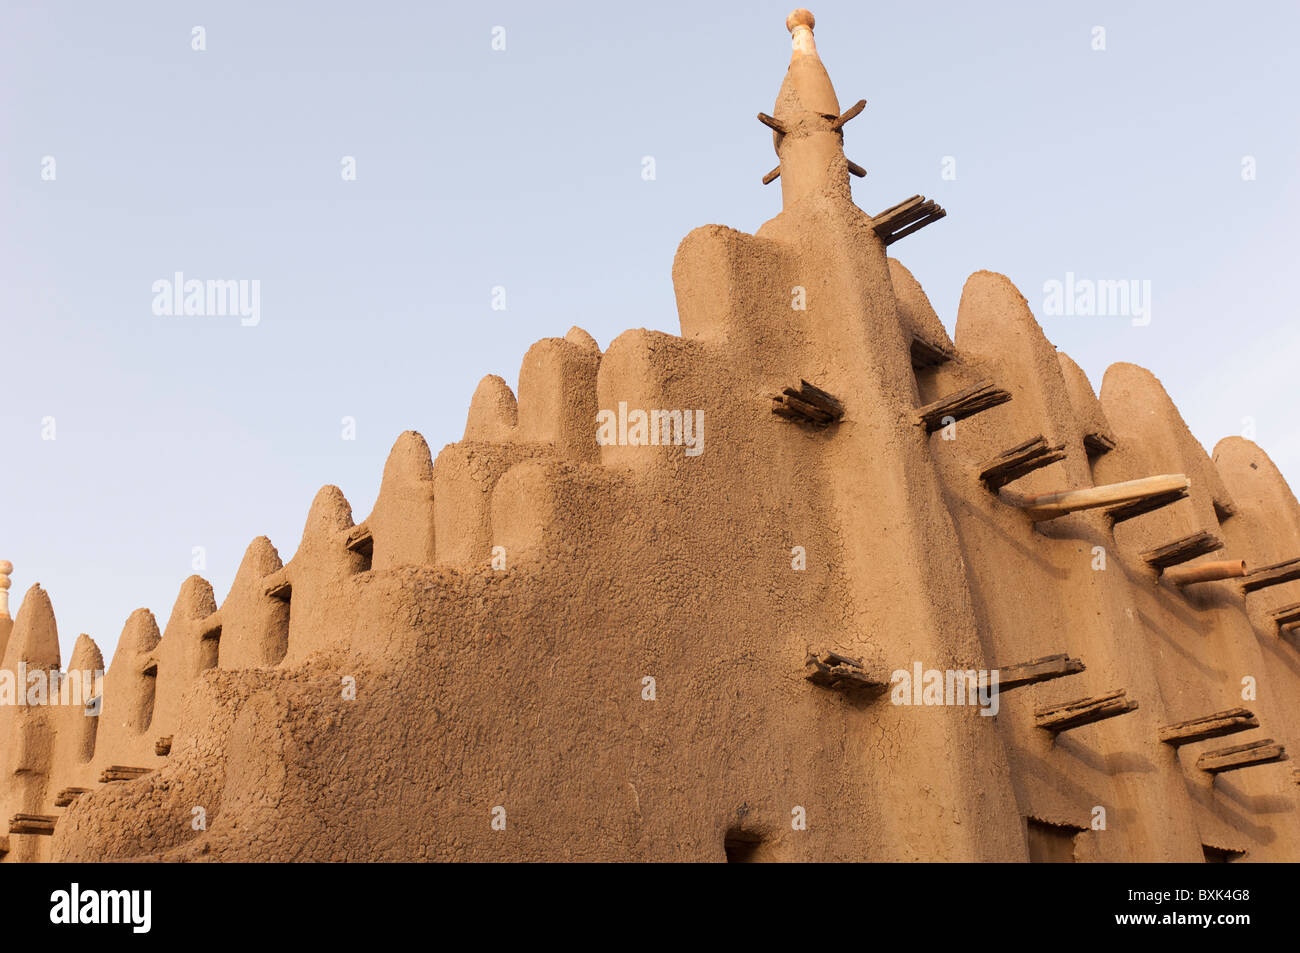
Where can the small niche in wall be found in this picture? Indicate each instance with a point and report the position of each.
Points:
(210, 648)
(1221, 855)
(1051, 843)
(742, 847)
(927, 359)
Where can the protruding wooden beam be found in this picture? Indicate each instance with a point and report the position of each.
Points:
(1083, 711)
(842, 673)
(1048, 506)
(809, 404)
(1241, 756)
(1182, 550)
(928, 354)
(819, 398)
(902, 208)
(118, 772)
(1273, 575)
(1011, 465)
(1207, 572)
(1128, 511)
(916, 226)
(849, 113)
(1038, 670)
(772, 122)
(1287, 615)
(360, 539)
(32, 824)
(772, 176)
(68, 795)
(965, 403)
(277, 586)
(1098, 443)
(906, 217)
(856, 169)
(163, 746)
(1211, 726)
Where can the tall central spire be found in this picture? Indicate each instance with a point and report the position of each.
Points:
(807, 78)
(806, 121)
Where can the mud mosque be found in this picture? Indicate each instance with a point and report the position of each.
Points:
(542, 645)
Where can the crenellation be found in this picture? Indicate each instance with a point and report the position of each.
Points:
(493, 412)
(182, 653)
(464, 476)
(401, 526)
(557, 397)
(316, 574)
(254, 624)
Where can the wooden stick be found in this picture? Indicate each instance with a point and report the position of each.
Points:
(903, 218)
(1241, 756)
(1083, 711)
(32, 824)
(906, 215)
(771, 123)
(841, 672)
(791, 404)
(1182, 550)
(965, 403)
(360, 539)
(68, 795)
(1287, 615)
(885, 215)
(927, 354)
(809, 403)
(1128, 511)
(772, 176)
(849, 113)
(818, 397)
(1207, 572)
(1048, 506)
(856, 169)
(1011, 465)
(916, 227)
(1211, 726)
(118, 772)
(1039, 670)
(1273, 575)
(1098, 443)
(915, 213)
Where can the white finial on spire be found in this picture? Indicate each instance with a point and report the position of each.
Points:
(800, 23)
(6, 567)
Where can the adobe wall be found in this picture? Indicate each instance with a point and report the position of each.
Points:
(542, 646)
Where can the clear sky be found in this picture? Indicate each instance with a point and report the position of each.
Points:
(522, 168)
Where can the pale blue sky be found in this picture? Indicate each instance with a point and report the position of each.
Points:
(522, 168)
